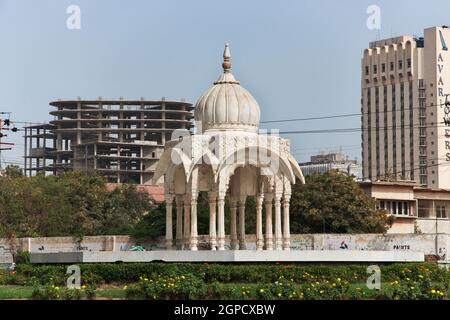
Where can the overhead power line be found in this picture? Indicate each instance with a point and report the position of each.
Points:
(351, 114)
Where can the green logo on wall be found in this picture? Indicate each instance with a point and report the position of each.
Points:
(444, 46)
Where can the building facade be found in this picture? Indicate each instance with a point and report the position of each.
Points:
(415, 209)
(331, 161)
(405, 120)
(121, 139)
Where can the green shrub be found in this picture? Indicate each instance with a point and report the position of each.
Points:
(22, 257)
(158, 287)
(52, 292)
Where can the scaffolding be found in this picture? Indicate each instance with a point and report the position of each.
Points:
(121, 139)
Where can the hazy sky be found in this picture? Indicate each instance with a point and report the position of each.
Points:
(298, 58)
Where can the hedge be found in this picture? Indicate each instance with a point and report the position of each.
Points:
(215, 272)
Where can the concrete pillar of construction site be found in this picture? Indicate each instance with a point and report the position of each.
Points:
(78, 122)
(25, 152)
(163, 121)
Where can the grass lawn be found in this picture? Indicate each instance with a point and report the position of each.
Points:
(15, 292)
(24, 292)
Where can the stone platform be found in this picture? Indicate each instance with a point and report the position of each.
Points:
(229, 256)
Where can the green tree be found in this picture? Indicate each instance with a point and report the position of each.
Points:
(13, 171)
(67, 204)
(334, 203)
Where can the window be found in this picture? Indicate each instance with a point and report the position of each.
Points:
(367, 71)
(408, 62)
(440, 211)
(392, 66)
(383, 67)
(375, 69)
(400, 64)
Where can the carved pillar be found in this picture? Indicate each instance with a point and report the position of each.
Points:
(286, 223)
(194, 234)
(212, 220)
(269, 230)
(221, 221)
(242, 244)
(259, 230)
(187, 221)
(169, 227)
(233, 222)
(179, 227)
(278, 235)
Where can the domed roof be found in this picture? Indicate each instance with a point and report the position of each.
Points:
(227, 105)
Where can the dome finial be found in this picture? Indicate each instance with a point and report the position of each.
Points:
(226, 65)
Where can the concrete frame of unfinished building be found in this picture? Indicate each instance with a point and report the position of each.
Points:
(121, 139)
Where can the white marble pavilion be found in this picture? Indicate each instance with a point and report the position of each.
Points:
(230, 159)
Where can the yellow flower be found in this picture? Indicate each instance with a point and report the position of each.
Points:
(433, 291)
(261, 290)
(339, 279)
(83, 286)
(56, 288)
(279, 294)
(321, 291)
(125, 287)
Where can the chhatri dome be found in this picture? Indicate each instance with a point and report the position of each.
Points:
(230, 161)
(227, 104)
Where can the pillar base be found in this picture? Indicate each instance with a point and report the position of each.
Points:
(169, 244)
(279, 244)
(259, 244)
(193, 244)
(213, 244)
(221, 244)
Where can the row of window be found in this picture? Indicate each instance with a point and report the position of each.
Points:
(391, 66)
(441, 212)
(399, 208)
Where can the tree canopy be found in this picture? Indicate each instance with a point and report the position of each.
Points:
(67, 204)
(333, 202)
(75, 204)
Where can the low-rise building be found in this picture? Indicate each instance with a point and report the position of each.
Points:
(322, 163)
(416, 209)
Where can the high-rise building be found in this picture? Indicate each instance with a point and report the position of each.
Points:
(405, 122)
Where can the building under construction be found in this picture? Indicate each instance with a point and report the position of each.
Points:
(121, 139)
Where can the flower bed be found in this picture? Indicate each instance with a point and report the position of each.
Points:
(237, 281)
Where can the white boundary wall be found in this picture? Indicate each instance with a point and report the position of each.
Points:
(429, 244)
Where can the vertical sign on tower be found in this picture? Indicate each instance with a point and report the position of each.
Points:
(443, 103)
